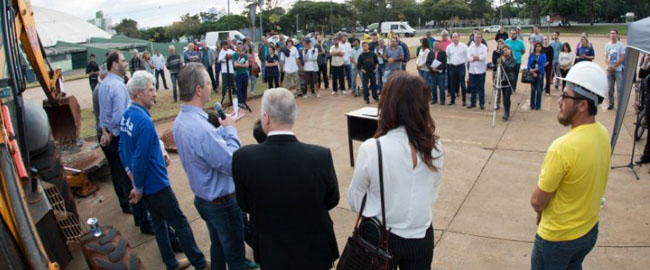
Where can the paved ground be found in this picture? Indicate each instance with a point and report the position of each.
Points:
(482, 219)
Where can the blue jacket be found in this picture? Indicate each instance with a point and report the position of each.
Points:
(140, 150)
(541, 62)
(407, 53)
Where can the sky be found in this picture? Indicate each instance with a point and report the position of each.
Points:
(148, 13)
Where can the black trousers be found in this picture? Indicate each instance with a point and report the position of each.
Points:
(646, 150)
(338, 81)
(273, 81)
(322, 75)
(161, 73)
(122, 184)
(506, 93)
(564, 72)
(408, 254)
(311, 80)
(211, 72)
(93, 84)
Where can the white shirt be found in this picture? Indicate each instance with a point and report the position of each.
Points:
(421, 62)
(480, 66)
(226, 67)
(310, 57)
(273, 133)
(380, 52)
(290, 64)
(158, 62)
(457, 54)
(337, 61)
(409, 193)
(347, 50)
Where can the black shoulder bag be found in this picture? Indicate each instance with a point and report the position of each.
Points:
(360, 254)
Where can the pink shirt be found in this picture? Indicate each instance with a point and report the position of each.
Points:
(444, 44)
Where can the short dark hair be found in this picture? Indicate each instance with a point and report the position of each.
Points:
(112, 58)
(92, 55)
(591, 107)
(289, 40)
(258, 132)
(614, 29)
(558, 33)
(189, 78)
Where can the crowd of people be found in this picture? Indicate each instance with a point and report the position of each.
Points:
(280, 209)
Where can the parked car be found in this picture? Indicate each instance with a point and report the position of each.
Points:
(491, 29)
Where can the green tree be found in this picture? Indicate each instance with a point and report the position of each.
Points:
(448, 9)
(481, 9)
(569, 9)
(128, 27)
(156, 34)
(317, 16)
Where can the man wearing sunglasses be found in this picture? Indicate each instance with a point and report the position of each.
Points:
(573, 176)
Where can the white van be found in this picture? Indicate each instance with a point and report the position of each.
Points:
(212, 37)
(402, 28)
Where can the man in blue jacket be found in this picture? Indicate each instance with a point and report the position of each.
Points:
(407, 53)
(146, 165)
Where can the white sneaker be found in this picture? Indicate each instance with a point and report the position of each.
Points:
(318, 95)
(343, 92)
(304, 96)
(333, 93)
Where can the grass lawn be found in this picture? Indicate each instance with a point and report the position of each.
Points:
(163, 109)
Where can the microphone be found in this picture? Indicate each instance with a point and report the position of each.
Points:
(217, 107)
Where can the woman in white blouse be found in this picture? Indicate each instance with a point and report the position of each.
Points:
(412, 162)
(565, 59)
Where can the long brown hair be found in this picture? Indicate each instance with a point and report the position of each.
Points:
(404, 102)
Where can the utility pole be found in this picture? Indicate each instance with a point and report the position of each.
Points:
(331, 12)
(228, 15)
(261, 2)
(296, 25)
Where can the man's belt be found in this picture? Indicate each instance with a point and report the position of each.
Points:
(223, 199)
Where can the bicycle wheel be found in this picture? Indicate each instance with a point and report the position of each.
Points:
(640, 126)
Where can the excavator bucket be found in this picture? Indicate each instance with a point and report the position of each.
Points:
(64, 115)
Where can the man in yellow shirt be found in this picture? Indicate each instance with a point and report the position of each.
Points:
(366, 36)
(573, 176)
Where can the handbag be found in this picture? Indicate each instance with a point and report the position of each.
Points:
(527, 76)
(360, 254)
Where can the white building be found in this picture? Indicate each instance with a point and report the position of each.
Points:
(103, 23)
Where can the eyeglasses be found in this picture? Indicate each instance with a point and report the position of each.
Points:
(565, 96)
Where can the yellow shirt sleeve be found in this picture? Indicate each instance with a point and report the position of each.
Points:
(553, 171)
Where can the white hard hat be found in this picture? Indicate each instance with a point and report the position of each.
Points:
(589, 76)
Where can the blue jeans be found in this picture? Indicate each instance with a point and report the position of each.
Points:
(253, 82)
(439, 82)
(477, 84)
(348, 75)
(263, 71)
(615, 77)
(365, 78)
(536, 93)
(226, 227)
(380, 74)
(355, 73)
(241, 81)
(173, 77)
(387, 73)
(562, 255)
(165, 211)
(457, 77)
(426, 76)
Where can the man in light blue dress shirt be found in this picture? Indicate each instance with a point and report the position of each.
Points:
(206, 154)
(113, 100)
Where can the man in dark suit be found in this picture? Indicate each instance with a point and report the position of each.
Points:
(287, 187)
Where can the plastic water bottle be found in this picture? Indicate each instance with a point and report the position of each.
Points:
(94, 227)
(602, 202)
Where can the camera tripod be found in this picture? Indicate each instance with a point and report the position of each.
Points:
(499, 78)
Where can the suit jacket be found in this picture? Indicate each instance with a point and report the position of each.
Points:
(288, 188)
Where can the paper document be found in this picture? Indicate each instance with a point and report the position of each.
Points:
(435, 63)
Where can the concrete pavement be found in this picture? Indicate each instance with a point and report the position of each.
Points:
(482, 220)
